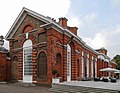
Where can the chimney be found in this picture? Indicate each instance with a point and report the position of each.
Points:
(63, 22)
(102, 50)
(73, 29)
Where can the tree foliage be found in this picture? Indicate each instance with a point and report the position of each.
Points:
(117, 60)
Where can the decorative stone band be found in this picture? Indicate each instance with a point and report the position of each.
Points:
(42, 43)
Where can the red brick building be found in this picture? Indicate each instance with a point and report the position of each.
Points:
(104, 62)
(39, 45)
(4, 62)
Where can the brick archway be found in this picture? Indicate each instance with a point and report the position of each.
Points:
(42, 66)
(27, 28)
(73, 61)
(58, 64)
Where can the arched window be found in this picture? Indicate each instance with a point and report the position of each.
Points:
(27, 61)
(72, 47)
(15, 59)
(58, 58)
(42, 65)
(58, 64)
(27, 28)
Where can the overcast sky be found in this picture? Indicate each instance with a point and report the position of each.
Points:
(98, 20)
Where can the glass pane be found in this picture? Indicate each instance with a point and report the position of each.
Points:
(28, 61)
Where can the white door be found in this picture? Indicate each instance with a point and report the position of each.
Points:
(27, 61)
(68, 63)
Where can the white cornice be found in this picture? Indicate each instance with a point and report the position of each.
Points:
(48, 21)
(113, 62)
(29, 12)
(104, 55)
(9, 32)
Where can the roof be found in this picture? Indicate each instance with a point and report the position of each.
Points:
(104, 55)
(47, 20)
(26, 11)
(113, 62)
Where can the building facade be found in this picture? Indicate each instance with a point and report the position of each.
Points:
(39, 46)
(4, 62)
(104, 61)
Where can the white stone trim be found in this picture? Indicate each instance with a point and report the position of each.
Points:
(46, 20)
(68, 62)
(34, 81)
(82, 53)
(27, 11)
(95, 69)
(20, 80)
(92, 58)
(82, 66)
(87, 67)
(27, 35)
(91, 68)
(87, 55)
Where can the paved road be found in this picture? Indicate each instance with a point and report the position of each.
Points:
(100, 84)
(5, 88)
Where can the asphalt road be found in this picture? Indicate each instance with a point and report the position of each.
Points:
(6, 88)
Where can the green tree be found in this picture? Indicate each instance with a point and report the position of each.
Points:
(117, 60)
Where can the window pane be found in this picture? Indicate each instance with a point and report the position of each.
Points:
(28, 61)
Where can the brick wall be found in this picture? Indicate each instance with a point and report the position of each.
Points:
(4, 67)
(51, 42)
(8, 70)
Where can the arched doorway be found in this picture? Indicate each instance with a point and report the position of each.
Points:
(42, 66)
(14, 69)
(27, 61)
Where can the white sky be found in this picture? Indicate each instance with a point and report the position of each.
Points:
(98, 20)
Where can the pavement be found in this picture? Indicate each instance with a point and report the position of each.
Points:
(98, 84)
(12, 88)
(8, 88)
